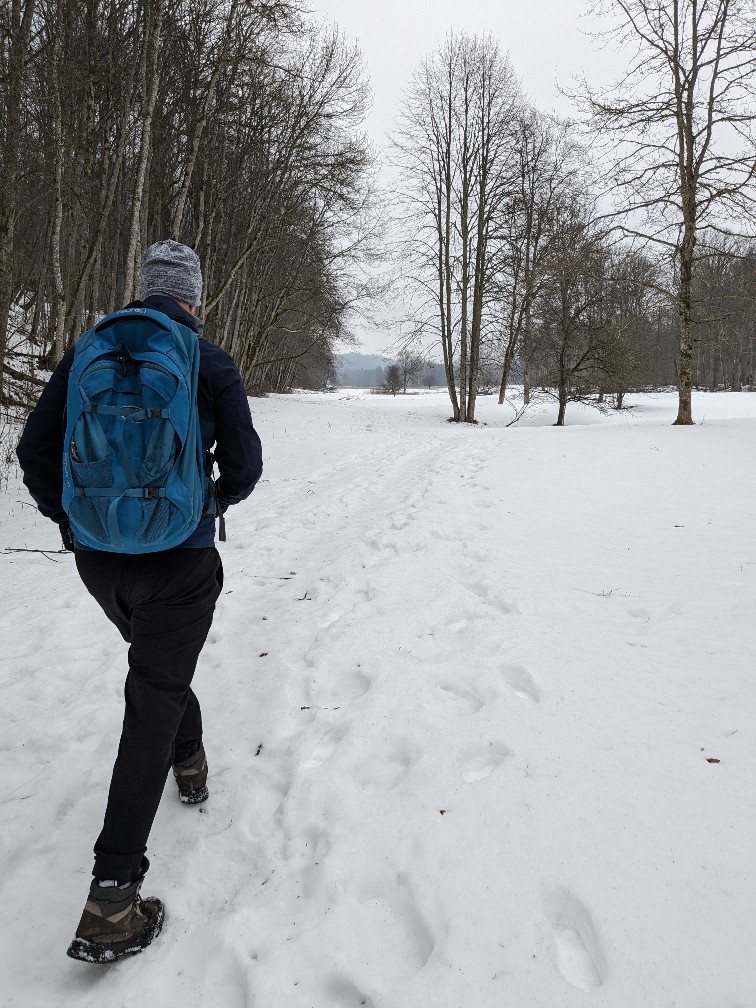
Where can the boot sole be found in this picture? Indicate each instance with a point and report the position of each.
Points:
(194, 797)
(102, 954)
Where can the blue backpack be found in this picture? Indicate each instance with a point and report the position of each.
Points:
(133, 473)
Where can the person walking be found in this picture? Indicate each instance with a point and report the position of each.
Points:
(161, 601)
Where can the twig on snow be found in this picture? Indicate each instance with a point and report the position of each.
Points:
(45, 553)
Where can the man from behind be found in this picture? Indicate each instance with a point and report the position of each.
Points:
(162, 600)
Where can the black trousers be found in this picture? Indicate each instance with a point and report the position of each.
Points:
(163, 605)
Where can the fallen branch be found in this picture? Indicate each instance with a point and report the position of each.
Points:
(45, 553)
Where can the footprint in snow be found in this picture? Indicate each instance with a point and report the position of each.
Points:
(382, 544)
(390, 927)
(579, 956)
(339, 689)
(521, 682)
(329, 620)
(435, 534)
(325, 747)
(465, 699)
(260, 801)
(303, 852)
(342, 993)
(481, 761)
(474, 556)
(639, 614)
(212, 969)
(385, 767)
(664, 613)
(456, 626)
(485, 594)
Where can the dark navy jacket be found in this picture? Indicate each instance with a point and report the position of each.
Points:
(225, 422)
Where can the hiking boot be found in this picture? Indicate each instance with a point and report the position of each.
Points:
(191, 777)
(116, 923)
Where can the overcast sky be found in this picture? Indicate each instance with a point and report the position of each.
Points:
(547, 41)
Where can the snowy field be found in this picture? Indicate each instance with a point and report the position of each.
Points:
(479, 709)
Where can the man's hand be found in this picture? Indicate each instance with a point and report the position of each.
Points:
(220, 505)
(67, 537)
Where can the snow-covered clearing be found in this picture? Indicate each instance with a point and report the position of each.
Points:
(460, 699)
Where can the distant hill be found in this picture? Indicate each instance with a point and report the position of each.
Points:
(361, 370)
(367, 370)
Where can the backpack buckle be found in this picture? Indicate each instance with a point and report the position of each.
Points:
(154, 414)
(152, 493)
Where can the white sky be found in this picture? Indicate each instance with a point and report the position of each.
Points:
(547, 42)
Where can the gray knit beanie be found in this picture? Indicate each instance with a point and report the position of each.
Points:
(172, 269)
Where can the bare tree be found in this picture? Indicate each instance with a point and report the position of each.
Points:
(680, 129)
(628, 334)
(254, 154)
(546, 161)
(410, 364)
(392, 379)
(572, 304)
(453, 149)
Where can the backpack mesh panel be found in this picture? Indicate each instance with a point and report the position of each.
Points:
(147, 478)
(93, 474)
(155, 520)
(91, 516)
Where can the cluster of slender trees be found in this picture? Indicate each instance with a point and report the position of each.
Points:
(233, 126)
(598, 258)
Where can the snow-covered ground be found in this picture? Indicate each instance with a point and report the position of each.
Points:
(460, 698)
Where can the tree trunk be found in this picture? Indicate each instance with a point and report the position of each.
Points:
(150, 84)
(445, 259)
(685, 313)
(202, 123)
(59, 299)
(21, 18)
(109, 190)
(481, 250)
(506, 370)
(464, 298)
(562, 405)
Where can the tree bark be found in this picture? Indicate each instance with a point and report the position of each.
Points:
(21, 19)
(219, 63)
(59, 299)
(562, 405)
(151, 80)
(685, 314)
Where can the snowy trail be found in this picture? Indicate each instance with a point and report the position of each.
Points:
(459, 698)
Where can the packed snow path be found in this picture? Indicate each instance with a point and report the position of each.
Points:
(460, 698)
